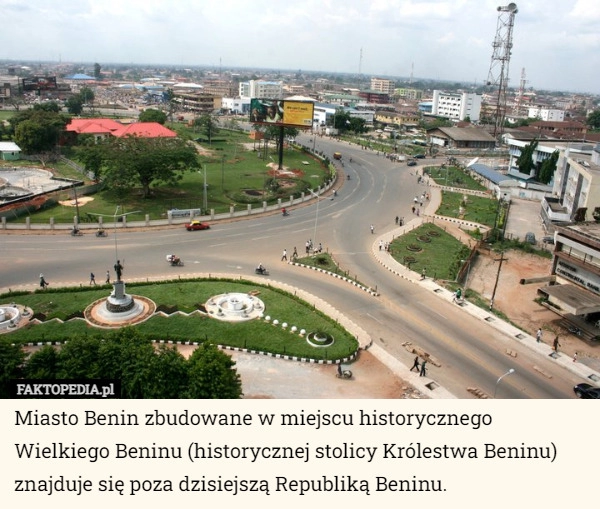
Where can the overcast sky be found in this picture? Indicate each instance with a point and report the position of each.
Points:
(557, 42)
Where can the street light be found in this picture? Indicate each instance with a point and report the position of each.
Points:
(316, 217)
(509, 372)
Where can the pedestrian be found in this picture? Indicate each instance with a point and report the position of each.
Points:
(284, 255)
(43, 282)
(372, 229)
(416, 200)
(295, 254)
(107, 277)
(538, 335)
(401, 221)
(457, 295)
(416, 364)
(423, 273)
(423, 369)
(575, 357)
(556, 344)
(92, 278)
(413, 209)
(418, 212)
(397, 219)
(380, 245)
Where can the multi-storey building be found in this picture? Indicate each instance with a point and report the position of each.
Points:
(576, 191)
(410, 94)
(456, 106)
(382, 85)
(546, 114)
(257, 89)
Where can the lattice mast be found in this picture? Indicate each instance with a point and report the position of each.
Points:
(498, 75)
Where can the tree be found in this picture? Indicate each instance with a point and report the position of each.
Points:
(548, 168)
(74, 105)
(208, 124)
(11, 361)
(127, 356)
(42, 364)
(153, 115)
(92, 157)
(212, 375)
(87, 95)
(525, 160)
(38, 129)
(145, 161)
(593, 119)
(97, 69)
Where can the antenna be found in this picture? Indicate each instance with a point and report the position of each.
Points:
(498, 74)
(360, 68)
(412, 70)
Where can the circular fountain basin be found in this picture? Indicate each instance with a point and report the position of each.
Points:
(235, 307)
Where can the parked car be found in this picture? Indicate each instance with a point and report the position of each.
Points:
(586, 391)
(411, 163)
(196, 225)
(419, 156)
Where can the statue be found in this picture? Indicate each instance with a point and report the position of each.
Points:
(119, 270)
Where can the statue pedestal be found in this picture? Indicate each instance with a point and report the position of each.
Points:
(119, 301)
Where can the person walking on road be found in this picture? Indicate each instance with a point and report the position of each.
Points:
(107, 277)
(556, 344)
(284, 255)
(423, 369)
(538, 335)
(92, 279)
(43, 282)
(416, 364)
(372, 229)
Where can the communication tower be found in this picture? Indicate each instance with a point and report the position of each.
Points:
(498, 75)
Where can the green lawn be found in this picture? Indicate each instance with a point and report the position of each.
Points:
(235, 175)
(474, 208)
(188, 296)
(429, 247)
(453, 176)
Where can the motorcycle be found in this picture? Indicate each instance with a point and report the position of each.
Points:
(76, 233)
(284, 212)
(101, 233)
(574, 330)
(346, 374)
(261, 271)
(174, 261)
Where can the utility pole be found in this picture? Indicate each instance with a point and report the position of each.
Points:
(501, 259)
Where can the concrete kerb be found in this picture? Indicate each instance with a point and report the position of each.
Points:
(387, 261)
(337, 276)
(363, 338)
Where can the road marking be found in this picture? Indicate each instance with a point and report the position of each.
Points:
(378, 321)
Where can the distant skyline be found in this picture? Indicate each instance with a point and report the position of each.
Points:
(557, 42)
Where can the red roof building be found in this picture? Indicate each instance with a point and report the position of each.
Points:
(104, 127)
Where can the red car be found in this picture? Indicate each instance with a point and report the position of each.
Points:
(196, 225)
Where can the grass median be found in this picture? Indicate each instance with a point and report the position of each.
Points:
(61, 311)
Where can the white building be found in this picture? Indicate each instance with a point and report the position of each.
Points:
(383, 85)
(258, 89)
(456, 106)
(236, 105)
(546, 114)
(576, 190)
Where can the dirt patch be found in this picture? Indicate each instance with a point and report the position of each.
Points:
(78, 202)
(517, 301)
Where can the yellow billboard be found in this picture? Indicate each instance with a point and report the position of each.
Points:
(281, 112)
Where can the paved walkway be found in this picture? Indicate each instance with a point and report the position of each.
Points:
(487, 319)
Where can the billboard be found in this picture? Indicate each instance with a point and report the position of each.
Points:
(39, 83)
(281, 112)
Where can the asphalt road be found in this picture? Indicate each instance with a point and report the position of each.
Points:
(468, 353)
